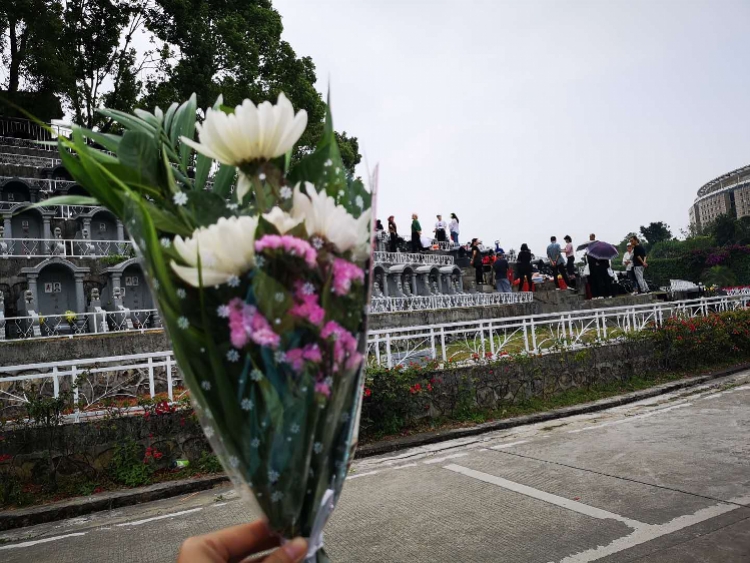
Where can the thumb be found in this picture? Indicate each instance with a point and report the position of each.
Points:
(292, 552)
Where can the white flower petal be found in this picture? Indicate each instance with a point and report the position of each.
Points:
(190, 276)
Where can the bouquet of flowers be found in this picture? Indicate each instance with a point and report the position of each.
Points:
(261, 274)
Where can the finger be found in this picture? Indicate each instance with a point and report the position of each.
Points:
(229, 544)
(291, 552)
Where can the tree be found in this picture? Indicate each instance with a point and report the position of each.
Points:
(234, 48)
(656, 232)
(623, 246)
(98, 35)
(30, 32)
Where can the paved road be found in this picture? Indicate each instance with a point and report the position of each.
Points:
(664, 480)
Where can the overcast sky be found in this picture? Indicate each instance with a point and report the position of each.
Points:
(529, 119)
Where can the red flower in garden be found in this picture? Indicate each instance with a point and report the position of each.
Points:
(158, 455)
(429, 387)
(5, 457)
(367, 392)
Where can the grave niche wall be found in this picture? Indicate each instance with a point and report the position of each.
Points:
(56, 290)
(103, 226)
(15, 191)
(26, 225)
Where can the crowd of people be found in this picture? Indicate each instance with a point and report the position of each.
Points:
(443, 232)
(597, 279)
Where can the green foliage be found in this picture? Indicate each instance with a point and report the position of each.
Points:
(719, 276)
(127, 466)
(655, 233)
(661, 270)
(208, 463)
(678, 248)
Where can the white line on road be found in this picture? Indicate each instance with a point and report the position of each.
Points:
(405, 466)
(573, 505)
(630, 418)
(508, 445)
(362, 475)
(442, 459)
(45, 540)
(162, 517)
(641, 533)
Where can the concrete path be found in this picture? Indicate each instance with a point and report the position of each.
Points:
(663, 480)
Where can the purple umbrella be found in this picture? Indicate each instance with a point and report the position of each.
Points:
(602, 250)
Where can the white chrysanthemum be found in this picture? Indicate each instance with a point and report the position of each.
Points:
(326, 219)
(250, 133)
(282, 220)
(227, 249)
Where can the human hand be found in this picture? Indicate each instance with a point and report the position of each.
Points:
(235, 544)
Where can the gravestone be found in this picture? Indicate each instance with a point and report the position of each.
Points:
(56, 289)
(99, 316)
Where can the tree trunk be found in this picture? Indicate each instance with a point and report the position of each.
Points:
(17, 53)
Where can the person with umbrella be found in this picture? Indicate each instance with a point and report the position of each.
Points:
(598, 255)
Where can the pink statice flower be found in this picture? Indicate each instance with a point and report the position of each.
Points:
(344, 273)
(296, 357)
(306, 305)
(247, 323)
(345, 352)
(323, 388)
(291, 245)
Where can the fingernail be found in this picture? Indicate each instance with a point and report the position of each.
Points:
(295, 548)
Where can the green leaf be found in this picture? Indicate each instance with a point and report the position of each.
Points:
(128, 121)
(108, 141)
(272, 403)
(64, 200)
(186, 128)
(206, 207)
(166, 222)
(223, 180)
(202, 168)
(138, 150)
(266, 290)
(169, 115)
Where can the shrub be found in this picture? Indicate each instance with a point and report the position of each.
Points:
(128, 466)
(209, 463)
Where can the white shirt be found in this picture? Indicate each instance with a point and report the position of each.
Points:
(454, 226)
(627, 261)
(440, 225)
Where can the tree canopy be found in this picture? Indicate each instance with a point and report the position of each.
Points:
(656, 232)
(85, 52)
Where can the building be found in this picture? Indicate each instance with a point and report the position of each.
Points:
(728, 194)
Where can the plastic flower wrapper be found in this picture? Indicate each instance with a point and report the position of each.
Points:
(261, 275)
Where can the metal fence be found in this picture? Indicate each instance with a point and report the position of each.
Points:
(78, 324)
(533, 334)
(381, 305)
(92, 381)
(412, 258)
(28, 160)
(78, 248)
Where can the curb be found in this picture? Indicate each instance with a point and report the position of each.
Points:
(423, 439)
(104, 501)
(24, 517)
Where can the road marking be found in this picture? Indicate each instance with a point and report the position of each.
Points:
(45, 540)
(641, 533)
(648, 532)
(362, 475)
(630, 418)
(508, 445)
(405, 466)
(562, 502)
(220, 504)
(162, 517)
(442, 459)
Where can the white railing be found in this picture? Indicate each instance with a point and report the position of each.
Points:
(28, 160)
(56, 326)
(381, 305)
(92, 382)
(79, 248)
(152, 373)
(736, 291)
(44, 184)
(28, 143)
(61, 211)
(412, 258)
(531, 334)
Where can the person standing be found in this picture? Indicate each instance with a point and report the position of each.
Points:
(556, 261)
(416, 234)
(523, 267)
(476, 261)
(440, 229)
(393, 235)
(627, 261)
(639, 263)
(570, 261)
(454, 229)
(502, 283)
